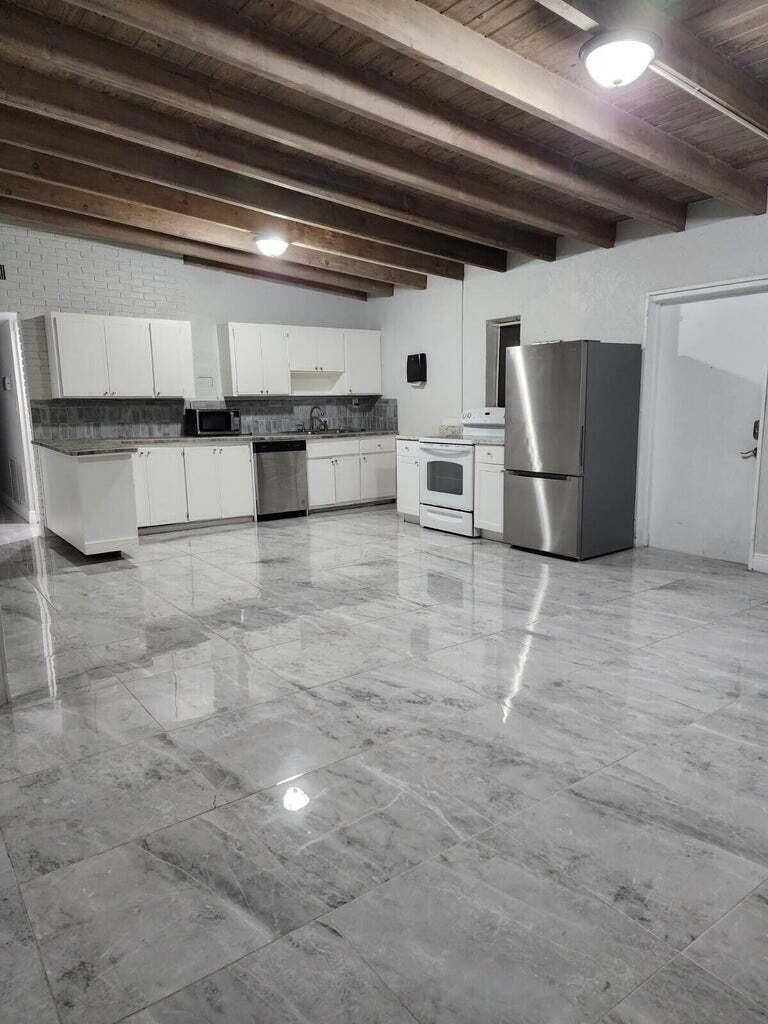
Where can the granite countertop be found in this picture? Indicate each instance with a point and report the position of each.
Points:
(128, 445)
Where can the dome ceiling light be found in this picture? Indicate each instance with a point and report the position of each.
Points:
(272, 246)
(614, 59)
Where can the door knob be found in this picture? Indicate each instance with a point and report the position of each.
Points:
(750, 453)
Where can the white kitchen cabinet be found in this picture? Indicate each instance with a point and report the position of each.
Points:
(346, 471)
(77, 355)
(202, 482)
(489, 488)
(219, 481)
(315, 350)
(362, 356)
(129, 357)
(321, 484)
(378, 475)
(235, 481)
(166, 484)
(274, 360)
(94, 356)
(407, 485)
(254, 359)
(172, 358)
(141, 488)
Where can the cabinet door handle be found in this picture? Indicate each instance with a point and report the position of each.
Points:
(106, 392)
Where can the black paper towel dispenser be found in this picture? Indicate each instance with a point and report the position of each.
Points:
(416, 368)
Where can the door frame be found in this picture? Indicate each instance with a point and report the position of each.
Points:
(758, 562)
(654, 306)
(31, 513)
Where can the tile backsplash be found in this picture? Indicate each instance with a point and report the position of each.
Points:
(60, 419)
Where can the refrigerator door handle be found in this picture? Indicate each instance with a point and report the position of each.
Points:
(538, 476)
(581, 449)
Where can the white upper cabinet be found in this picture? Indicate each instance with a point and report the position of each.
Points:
(254, 359)
(363, 362)
(94, 356)
(172, 358)
(129, 357)
(274, 359)
(315, 350)
(77, 354)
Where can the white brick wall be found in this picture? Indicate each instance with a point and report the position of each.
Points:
(50, 272)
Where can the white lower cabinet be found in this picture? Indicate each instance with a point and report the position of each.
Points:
(408, 485)
(160, 486)
(489, 488)
(346, 473)
(378, 471)
(219, 481)
(235, 479)
(321, 486)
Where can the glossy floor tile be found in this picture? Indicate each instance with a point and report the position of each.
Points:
(342, 769)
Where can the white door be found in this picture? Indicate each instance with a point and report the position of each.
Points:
(347, 478)
(129, 357)
(321, 488)
(330, 350)
(248, 370)
(712, 358)
(235, 480)
(408, 486)
(274, 357)
(202, 472)
(363, 362)
(172, 358)
(166, 484)
(303, 349)
(489, 498)
(140, 489)
(82, 356)
(378, 475)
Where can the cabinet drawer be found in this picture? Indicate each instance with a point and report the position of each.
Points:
(408, 448)
(369, 445)
(490, 454)
(330, 448)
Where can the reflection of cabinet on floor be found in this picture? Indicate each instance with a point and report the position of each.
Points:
(175, 483)
(349, 471)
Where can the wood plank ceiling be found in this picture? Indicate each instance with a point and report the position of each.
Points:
(384, 141)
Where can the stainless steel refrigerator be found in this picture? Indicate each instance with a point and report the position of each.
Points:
(571, 447)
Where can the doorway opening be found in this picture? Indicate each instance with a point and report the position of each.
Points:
(701, 423)
(501, 334)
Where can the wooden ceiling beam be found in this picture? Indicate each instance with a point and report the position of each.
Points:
(177, 227)
(73, 224)
(30, 39)
(685, 60)
(308, 181)
(415, 29)
(198, 28)
(92, 149)
(195, 214)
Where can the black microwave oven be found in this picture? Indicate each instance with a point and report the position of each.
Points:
(211, 422)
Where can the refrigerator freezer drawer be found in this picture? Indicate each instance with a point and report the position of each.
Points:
(450, 520)
(543, 513)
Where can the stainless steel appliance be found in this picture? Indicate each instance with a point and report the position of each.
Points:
(571, 447)
(280, 470)
(211, 422)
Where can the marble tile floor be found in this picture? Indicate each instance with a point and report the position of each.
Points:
(346, 771)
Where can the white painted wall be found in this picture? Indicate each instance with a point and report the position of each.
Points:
(712, 364)
(45, 271)
(17, 486)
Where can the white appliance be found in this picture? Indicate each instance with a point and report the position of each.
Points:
(484, 425)
(447, 484)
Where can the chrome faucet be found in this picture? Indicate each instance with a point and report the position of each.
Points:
(316, 421)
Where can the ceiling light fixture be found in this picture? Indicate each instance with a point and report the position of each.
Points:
(272, 246)
(614, 59)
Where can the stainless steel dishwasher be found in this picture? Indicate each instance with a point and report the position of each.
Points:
(281, 477)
